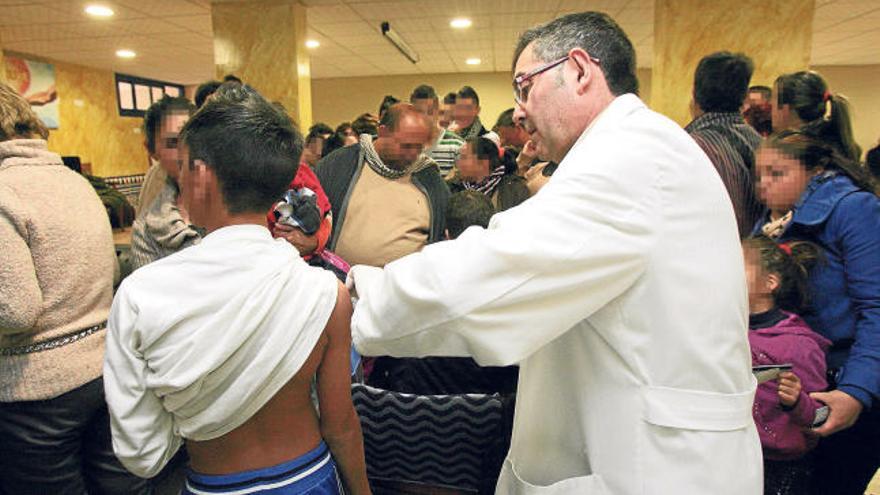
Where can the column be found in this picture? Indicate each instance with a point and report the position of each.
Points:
(776, 34)
(263, 43)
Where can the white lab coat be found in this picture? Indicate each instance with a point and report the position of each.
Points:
(620, 290)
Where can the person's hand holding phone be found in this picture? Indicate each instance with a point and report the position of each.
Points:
(789, 388)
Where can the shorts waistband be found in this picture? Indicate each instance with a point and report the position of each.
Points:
(284, 474)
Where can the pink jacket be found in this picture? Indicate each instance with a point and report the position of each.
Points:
(783, 432)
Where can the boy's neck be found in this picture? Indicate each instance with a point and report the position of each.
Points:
(228, 220)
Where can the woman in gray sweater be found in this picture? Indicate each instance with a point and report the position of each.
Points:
(56, 285)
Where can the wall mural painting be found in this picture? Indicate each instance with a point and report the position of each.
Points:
(35, 81)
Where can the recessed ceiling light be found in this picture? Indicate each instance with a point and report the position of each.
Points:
(460, 23)
(99, 11)
(473, 61)
(312, 44)
(125, 54)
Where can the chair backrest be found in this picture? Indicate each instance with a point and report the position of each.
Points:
(452, 441)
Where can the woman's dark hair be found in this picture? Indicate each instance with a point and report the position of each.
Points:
(824, 114)
(872, 162)
(364, 125)
(387, 102)
(205, 90)
(791, 262)
(485, 149)
(332, 143)
(815, 153)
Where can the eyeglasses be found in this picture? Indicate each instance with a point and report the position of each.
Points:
(521, 92)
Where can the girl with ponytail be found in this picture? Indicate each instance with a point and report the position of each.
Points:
(803, 101)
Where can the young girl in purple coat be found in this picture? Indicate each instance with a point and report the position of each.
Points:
(783, 410)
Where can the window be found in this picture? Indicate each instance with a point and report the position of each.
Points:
(134, 95)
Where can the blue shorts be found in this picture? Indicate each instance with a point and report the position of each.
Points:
(313, 473)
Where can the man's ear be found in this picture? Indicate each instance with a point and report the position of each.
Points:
(384, 131)
(581, 61)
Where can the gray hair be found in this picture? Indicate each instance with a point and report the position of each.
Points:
(595, 32)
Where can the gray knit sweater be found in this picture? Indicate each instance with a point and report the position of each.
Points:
(56, 275)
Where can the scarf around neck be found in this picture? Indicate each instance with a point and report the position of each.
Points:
(489, 183)
(371, 157)
(473, 131)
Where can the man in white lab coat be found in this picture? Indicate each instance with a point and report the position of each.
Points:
(619, 289)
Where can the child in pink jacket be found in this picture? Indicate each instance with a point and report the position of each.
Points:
(783, 410)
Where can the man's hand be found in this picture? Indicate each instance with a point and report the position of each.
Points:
(526, 157)
(305, 244)
(845, 410)
(789, 388)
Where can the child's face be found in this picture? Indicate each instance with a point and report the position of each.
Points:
(781, 179)
(760, 283)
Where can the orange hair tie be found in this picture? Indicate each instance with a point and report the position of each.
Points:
(785, 248)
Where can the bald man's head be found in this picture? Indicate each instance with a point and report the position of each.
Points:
(403, 134)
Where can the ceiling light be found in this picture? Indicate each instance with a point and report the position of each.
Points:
(473, 61)
(125, 54)
(99, 11)
(399, 43)
(460, 23)
(312, 44)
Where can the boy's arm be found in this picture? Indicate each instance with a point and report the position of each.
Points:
(340, 426)
(142, 430)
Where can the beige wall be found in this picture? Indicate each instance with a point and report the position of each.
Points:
(342, 99)
(859, 84)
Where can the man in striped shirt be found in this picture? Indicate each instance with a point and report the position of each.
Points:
(446, 145)
(721, 82)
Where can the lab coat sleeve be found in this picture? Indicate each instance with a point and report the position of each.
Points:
(502, 293)
(144, 439)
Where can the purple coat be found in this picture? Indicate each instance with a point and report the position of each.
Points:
(783, 432)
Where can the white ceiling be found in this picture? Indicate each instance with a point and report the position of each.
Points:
(173, 38)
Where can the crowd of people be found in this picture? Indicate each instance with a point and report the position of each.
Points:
(675, 310)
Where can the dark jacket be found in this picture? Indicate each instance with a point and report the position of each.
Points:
(510, 192)
(844, 220)
(339, 171)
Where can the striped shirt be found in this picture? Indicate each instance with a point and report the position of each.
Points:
(730, 144)
(445, 151)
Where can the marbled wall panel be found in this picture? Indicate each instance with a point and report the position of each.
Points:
(776, 34)
(90, 123)
(263, 43)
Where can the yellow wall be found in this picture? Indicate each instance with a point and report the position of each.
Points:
(90, 123)
(336, 100)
